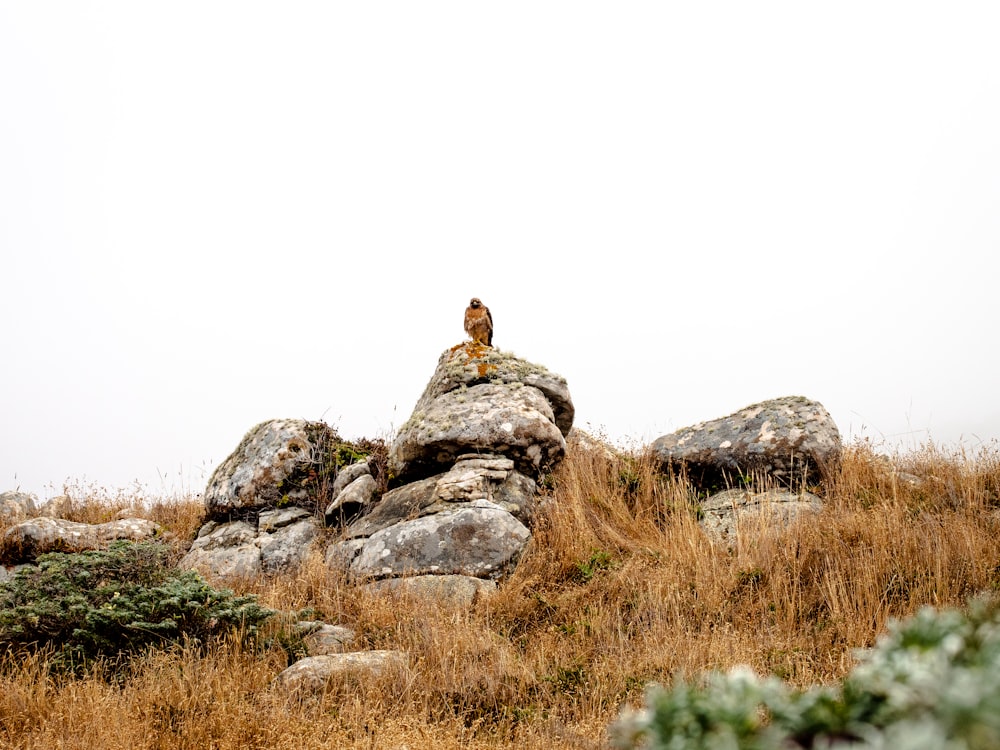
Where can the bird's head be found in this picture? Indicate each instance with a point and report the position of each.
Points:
(476, 302)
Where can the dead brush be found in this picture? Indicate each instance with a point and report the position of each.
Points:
(618, 587)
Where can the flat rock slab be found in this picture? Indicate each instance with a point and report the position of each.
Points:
(727, 514)
(309, 676)
(481, 540)
(36, 536)
(451, 590)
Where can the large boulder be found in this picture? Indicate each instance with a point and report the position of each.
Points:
(311, 675)
(278, 463)
(787, 440)
(484, 400)
(25, 541)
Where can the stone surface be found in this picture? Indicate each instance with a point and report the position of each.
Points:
(453, 590)
(481, 540)
(17, 506)
(347, 475)
(278, 462)
(468, 364)
(277, 542)
(321, 639)
(727, 514)
(310, 675)
(787, 439)
(28, 539)
(475, 477)
(225, 550)
(484, 400)
(284, 549)
(352, 501)
(60, 506)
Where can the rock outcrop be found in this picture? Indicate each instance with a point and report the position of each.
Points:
(275, 541)
(486, 427)
(262, 503)
(786, 440)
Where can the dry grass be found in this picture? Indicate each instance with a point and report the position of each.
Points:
(619, 587)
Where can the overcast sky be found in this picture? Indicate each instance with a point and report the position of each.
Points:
(216, 213)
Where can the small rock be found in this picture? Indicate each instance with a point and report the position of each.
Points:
(309, 676)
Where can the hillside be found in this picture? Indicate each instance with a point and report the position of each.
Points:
(619, 587)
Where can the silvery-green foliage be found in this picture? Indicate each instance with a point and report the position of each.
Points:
(932, 681)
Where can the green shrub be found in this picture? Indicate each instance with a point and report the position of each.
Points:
(932, 681)
(114, 603)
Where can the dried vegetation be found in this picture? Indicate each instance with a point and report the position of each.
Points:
(618, 588)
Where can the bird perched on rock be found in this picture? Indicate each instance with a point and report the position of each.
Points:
(479, 322)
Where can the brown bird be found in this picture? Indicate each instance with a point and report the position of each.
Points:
(479, 322)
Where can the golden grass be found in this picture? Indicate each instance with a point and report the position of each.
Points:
(618, 587)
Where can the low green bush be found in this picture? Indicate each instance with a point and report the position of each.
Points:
(932, 681)
(114, 603)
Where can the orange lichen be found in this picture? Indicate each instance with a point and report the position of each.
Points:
(478, 353)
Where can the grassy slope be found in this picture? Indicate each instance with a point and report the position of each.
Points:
(619, 587)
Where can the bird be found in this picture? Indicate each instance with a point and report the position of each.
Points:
(479, 322)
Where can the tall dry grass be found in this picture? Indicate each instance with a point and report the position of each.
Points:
(618, 587)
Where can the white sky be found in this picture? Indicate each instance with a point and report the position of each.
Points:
(216, 213)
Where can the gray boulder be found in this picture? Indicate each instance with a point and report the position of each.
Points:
(787, 439)
(485, 400)
(278, 462)
(16, 506)
(277, 541)
(480, 539)
(727, 514)
(28, 539)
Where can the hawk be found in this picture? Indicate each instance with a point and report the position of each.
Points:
(479, 322)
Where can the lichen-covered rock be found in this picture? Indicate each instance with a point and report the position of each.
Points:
(479, 539)
(16, 506)
(470, 364)
(278, 462)
(726, 514)
(28, 539)
(787, 439)
(277, 541)
(508, 419)
(473, 477)
(484, 400)
(226, 550)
